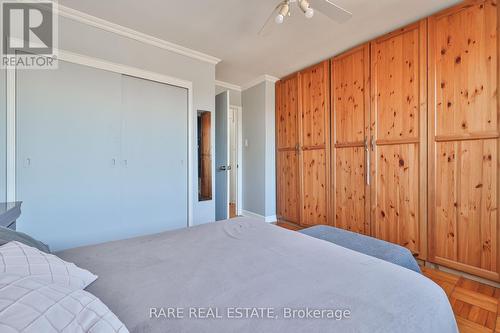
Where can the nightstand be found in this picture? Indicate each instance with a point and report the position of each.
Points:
(9, 213)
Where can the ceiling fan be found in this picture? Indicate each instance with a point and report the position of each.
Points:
(285, 7)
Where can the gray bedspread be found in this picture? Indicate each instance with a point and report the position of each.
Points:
(275, 276)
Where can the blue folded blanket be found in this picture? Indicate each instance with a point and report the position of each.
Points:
(377, 248)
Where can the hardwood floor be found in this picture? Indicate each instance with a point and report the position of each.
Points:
(288, 225)
(232, 210)
(476, 305)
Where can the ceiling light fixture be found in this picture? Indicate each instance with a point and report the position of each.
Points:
(285, 8)
(283, 11)
(306, 8)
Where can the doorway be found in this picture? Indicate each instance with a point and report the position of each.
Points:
(234, 126)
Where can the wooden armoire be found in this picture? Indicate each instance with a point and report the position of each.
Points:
(350, 95)
(413, 121)
(398, 131)
(463, 138)
(379, 138)
(303, 146)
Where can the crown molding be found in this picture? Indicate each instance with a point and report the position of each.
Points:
(227, 85)
(258, 80)
(102, 24)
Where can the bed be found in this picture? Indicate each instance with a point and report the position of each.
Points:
(196, 280)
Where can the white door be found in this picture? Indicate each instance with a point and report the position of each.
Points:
(221, 156)
(154, 156)
(68, 146)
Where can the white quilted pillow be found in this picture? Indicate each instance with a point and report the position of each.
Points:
(31, 305)
(23, 260)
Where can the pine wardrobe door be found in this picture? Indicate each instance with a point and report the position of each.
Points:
(350, 97)
(314, 123)
(464, 138)
(398, 116)
(287, 144)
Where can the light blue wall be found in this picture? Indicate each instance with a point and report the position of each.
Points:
(259, 166)
(3, 135)
(254, 156)
(270, 167)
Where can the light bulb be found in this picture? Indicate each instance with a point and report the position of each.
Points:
(309, 13)
(283, 11)
(304, 4)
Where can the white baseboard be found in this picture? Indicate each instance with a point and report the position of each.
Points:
(251, 214)
(271, 219)
(268, 219)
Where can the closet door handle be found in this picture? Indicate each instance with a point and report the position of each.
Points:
(367, 164)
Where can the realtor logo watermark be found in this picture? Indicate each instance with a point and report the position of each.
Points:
(29, 34)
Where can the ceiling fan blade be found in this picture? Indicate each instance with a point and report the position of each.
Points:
(269, 24)
(331, 10)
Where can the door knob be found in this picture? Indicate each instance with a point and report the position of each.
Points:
(222, 168)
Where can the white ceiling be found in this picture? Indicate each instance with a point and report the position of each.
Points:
(228, 29)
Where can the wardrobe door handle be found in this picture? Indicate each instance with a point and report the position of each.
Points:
(368, 179)
(367, 164)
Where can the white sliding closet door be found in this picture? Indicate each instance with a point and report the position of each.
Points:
(100, 156)
(154, 156)
(68, 137)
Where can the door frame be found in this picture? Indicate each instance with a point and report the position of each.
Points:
(238, 114)
(109, 66)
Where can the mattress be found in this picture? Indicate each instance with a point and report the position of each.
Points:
(243, 275)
